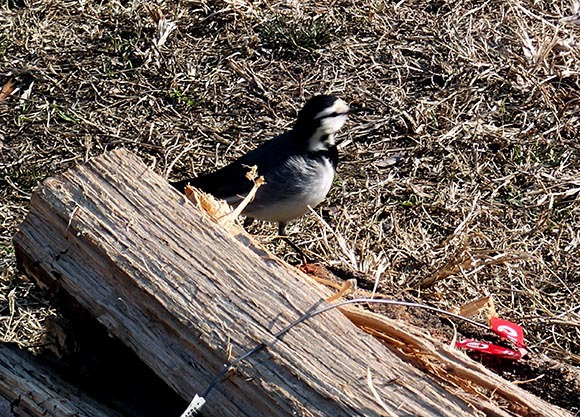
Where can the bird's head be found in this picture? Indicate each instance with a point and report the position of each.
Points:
(319, 120)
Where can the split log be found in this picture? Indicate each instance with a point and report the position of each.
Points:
(186, 295)
(32, 389)
(5, 407)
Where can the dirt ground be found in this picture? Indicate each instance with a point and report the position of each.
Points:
(462, 179)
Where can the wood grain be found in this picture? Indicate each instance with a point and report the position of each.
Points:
(186, 295)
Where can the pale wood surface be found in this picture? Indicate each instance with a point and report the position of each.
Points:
(30, 389)
(182, 292)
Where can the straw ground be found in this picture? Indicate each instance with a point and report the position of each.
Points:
(461, 181)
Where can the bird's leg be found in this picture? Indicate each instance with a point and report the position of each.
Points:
(282, 229)
(283, 235)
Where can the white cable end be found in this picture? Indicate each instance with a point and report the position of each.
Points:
(194, 406)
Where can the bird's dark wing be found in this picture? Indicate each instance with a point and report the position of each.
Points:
(227, 182)
(231, 181)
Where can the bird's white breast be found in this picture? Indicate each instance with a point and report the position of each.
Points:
(315, 177)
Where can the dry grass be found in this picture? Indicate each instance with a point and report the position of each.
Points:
(463, 180)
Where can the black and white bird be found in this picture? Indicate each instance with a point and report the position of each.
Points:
(298, 166)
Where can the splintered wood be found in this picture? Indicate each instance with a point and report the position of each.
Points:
(219, 210)
(182, 291)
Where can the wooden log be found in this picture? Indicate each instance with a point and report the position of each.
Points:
(5, 407)
(32, 389)
(186, 295)
(454, 366)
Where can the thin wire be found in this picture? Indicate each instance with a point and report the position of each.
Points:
(314, 313)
